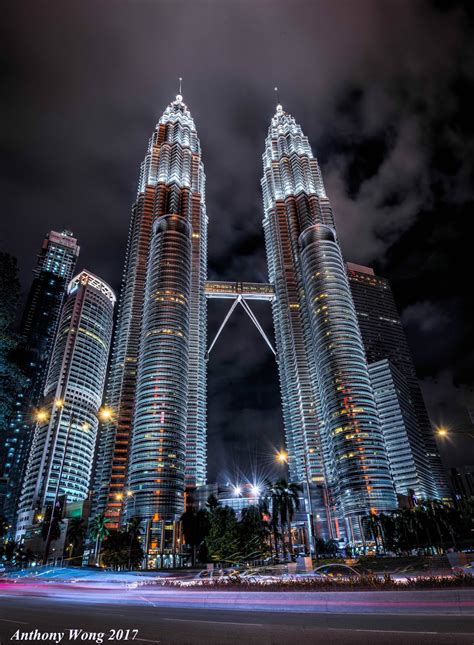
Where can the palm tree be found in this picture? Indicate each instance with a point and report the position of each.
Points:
(99, 530)
(75, 533)
(289, 503)
(134, 531)
(373, 525)
(133, 527)
(271, 505)
(195, 529)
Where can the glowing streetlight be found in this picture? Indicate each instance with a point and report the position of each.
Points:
(59, 403)
(282, 457)
(130, 493)
(105, 414)
(41, 416)
(237, 490)
(255, 490)
(119, 496)
(452, 433)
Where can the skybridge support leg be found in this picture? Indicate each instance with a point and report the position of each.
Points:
(250, 314)
(229, 314)
(253, 318)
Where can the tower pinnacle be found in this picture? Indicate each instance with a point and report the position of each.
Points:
(279, 107)
(179, 96)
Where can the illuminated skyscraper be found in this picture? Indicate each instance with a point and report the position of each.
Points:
(331, 422)
(62, 450)
(406, 454)
(54, 269)
(160, 336)
(384, 337)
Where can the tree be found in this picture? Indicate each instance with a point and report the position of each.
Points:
(14, 554)
(389, 532)
(289, 503)
(134, 527)
(222, 540)
(196, 526)
(76, 530)
(253, 533)
(99, 531)
(271, 505)
(134, 532)
(372, 528)
(120, 550)
(212, 503)
(55, 532)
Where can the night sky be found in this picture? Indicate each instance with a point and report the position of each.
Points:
(384, 91)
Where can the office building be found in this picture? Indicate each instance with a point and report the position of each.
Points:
(331, 423)
(156, 443)
(406, 454)
(384, 337)
(53, 271)
(62, 451)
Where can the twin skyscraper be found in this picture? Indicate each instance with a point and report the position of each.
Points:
(151, 449)
(155, 446)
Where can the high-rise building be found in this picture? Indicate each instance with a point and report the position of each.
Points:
(156, 443)
(462, 483)
(331, 422)
(62, 451)
(54, 270)
(406, 454)
(384, 337)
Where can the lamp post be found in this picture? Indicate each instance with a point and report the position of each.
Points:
(282, 458)
(56, 492)
(445, 432)
(85, 426)
(129, 494)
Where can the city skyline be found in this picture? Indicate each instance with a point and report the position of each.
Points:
(256, 467)
(337, 438)
(97, 138)
(236, 357)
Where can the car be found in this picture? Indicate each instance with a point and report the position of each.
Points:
(211, 574)
(263, 574)
(336, 571)
(466, 568)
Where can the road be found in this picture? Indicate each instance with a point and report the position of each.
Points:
(160, 618)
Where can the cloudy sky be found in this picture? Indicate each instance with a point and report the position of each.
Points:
(382, 88)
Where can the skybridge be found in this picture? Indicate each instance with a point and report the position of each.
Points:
(240, 293)
(247, 290)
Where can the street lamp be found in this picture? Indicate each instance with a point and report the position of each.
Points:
(255, 490)
(85, 426)
(445, 432)
(41, 416)
(105, 414)
(282, 458)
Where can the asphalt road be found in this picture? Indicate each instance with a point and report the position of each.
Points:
(195, 625)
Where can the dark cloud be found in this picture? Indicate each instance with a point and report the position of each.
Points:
(383, 89)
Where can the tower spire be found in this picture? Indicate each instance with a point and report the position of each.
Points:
(180, 81)
(279, 107)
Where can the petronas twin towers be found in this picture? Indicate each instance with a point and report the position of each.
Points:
(155, 446)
